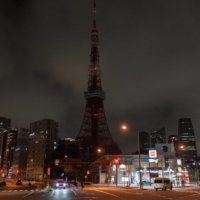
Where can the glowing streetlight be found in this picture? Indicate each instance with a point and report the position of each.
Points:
(124, 127)
(99, 150)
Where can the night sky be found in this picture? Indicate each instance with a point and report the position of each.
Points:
(149, 56)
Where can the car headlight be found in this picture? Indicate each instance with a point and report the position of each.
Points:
(57, 184)
(64, 184)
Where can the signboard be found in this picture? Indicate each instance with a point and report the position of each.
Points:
(57, 162)
(48, 171)
(152, 154)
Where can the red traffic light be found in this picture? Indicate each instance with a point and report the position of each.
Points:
(116, 161)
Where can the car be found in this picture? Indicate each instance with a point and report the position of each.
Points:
(19, 182)
(162, 183)
(59, 184)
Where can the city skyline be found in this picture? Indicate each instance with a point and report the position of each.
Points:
(148, 56)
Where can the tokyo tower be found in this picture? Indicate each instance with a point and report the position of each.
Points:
(94, 133)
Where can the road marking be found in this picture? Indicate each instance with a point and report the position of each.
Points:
(73, 191)
(28, 194)
(109, 194)
(52, 193)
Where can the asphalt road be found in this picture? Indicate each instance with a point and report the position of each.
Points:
(99, 193)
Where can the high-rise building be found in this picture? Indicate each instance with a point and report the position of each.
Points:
(20, 161)
(94, 133)
(23, 136)
(10, 139)
(144, 142)
(186, 139)
(173, 139)
(43, 140)
(157, 137)
(21, 153)
(4, 125)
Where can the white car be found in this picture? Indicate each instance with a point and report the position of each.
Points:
(162, 183)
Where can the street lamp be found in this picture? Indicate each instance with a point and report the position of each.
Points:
(182, 157)
(139, 159)
(99, 150)
(100, 166)
(124, 127)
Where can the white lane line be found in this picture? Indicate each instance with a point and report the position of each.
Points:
(73, 191)
(52, 193)
(27, 194)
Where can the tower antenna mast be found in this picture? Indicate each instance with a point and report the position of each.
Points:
(94, 13)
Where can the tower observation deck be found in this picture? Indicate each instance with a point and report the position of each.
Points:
(94, 133)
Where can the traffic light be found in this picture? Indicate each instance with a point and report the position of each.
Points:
(165, 149)
(116, 161)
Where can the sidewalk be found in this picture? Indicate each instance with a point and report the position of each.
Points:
(118, 185)
(137, 187)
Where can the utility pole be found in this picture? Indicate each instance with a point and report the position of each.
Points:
(139, 160)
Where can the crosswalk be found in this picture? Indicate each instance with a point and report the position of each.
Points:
(25, 190)
(188, 191)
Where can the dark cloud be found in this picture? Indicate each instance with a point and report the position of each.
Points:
(149, 59)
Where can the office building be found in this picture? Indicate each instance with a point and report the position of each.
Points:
(21, 153)
(43, 140)
(10, 141)
(173, 139)
(186, 140)
(4, 125)
(144, 142)
(157, 137)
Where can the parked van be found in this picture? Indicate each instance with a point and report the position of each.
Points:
(162, 183)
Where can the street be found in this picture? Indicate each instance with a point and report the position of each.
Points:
(96, 192)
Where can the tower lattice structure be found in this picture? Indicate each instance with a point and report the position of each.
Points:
(94, 133)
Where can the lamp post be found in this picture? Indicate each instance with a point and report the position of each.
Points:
(100, 166)
(182, 158)
(124, 127)
(139, 160)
